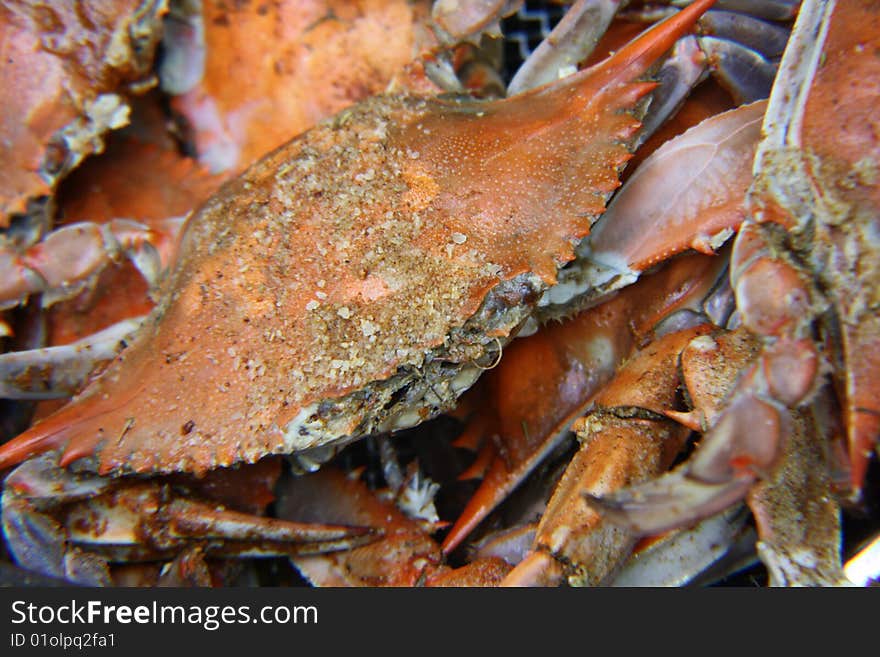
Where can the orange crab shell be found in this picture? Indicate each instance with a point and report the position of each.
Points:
(63, 66)
(322, 56)
(353, 280)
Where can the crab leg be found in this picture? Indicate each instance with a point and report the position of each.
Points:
(797, 516)
(680, 74)
(685, 556)
(767, 38)
(457, 22)
(69, 259)
(117, 526)
(777, 10)
(61, 524)
(278, 357)
(624, 439)
(699, 210)
(570, 42)
(689, 194)
(746, 73)
(53, 372)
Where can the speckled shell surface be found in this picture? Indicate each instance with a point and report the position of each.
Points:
(360, 277)
(359, 253)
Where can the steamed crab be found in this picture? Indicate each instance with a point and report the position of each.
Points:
(348, 360)
(367, 366)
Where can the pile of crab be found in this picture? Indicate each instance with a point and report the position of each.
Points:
(324, 292)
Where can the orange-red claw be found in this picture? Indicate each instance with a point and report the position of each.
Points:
(730, 459)
(668, 502)
(403, 555)
(197, 520)
(537, 569)
(690, 419)
(846, 140)
(618, 448)
(726, 462)
(142, 412)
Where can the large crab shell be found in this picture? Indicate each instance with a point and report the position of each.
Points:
(358, 278)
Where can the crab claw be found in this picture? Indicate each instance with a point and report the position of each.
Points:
(659, 505)
(226, 533)
(624, 439)
(409, 198)
(730, 459)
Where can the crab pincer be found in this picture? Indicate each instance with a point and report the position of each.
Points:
(359, 278)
